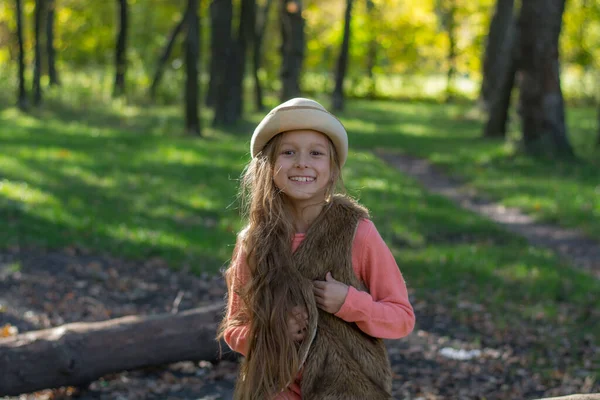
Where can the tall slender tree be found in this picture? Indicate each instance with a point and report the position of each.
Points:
(337, 98)
(192, 54)
(502, 58)
(245, 35)
(50, 51)
(121, 49)
(262, 17)
(221, 47)
(37, 66)
(292, 47)
(372, 50)
(165, 54)
(501, 31)
(22, 102)
(541, 101)
(446, 10)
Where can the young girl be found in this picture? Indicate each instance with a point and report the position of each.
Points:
(313, 288)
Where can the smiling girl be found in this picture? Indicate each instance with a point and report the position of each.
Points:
(313, 288)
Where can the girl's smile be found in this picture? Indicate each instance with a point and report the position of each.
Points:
(302, 179)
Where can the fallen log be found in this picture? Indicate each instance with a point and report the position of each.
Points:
(78, 353)
(591, 396)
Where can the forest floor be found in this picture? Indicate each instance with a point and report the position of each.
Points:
(442, 359)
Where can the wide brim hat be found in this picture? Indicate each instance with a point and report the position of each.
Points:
(300, 113)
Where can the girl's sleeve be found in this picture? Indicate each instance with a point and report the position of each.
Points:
(236, 337)
(385, 311)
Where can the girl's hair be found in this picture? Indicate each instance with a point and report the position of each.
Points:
(272, 361)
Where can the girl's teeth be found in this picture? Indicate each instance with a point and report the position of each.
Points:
(302, 179)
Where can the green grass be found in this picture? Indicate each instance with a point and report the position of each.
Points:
(124, 180)
(561, 192)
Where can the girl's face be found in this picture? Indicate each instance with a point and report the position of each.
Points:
(302, 167)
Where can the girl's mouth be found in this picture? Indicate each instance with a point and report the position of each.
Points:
(302, 179)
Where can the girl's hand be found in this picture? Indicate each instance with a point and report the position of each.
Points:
(330, 294)
(297, 323)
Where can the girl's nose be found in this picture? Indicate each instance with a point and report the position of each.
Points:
(301, 161)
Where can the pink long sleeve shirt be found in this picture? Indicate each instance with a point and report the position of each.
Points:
(385, 312)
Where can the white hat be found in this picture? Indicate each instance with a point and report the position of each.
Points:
(300, 113)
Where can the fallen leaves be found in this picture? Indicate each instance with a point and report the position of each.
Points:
(8, 330)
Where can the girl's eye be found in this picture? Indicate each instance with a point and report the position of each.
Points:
(316, 153)
(288, 152)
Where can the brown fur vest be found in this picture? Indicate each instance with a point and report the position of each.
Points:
(340, 361)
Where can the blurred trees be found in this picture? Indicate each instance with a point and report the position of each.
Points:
(37, 66)
(499, 68)
(22, 101)
(409, 37)
(50, 51)
(395, 45)
(192, 54)
(541, 100)
(337, 99)
(121, 48)
(292, 47)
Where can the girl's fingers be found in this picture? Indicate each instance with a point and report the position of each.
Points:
(318, 291)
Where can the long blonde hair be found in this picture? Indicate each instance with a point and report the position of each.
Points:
(272, 361)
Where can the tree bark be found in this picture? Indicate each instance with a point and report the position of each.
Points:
(121, 50)
(499, 98)
(337, 99)
(79, 353)
(451, 27)
(493, 60)
(446, 10)
(224, 56)
(37, 66)
(164, 57)
(292, 47)
(541, 100)
(261, 26)
(245, 34)
(192, 53)
(51, 52)
(22, 101)
(372, 51)
(221, 16)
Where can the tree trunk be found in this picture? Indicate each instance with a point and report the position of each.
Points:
(292, 47)
(121, 50)
(37, 67)
(541, 100)
(372, 51)
(224, 51)
(51, 52)
(164, 57)
(22, 101)
(221, 16)
(261, 26)
(493, 63)
(79, 353)
(450, 26)
(504, 74)
(337, 100)
(192, 53)
(245, 34)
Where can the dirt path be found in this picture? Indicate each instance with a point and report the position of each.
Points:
(570, 244)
